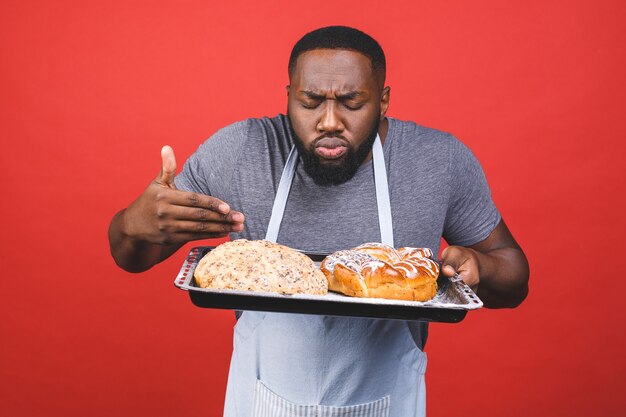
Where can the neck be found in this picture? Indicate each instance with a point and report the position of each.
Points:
(383, 128)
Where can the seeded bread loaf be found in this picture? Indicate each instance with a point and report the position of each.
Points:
(259, 265)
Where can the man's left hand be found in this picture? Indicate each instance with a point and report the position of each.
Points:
(462, 261)
(496, 268)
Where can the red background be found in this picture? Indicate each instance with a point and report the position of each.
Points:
(90, 91)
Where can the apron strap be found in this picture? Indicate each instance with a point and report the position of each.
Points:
(280, 202)
(382, 195)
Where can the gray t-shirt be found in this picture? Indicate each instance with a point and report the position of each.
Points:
(436, 186)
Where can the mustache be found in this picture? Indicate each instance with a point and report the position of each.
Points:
(329, 136)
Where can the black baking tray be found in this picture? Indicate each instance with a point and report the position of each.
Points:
(450, 305)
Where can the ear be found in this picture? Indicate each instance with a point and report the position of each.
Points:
(288, 88)
(384, 102)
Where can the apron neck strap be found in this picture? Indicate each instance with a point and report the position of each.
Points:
(280, 201)
(382, 194)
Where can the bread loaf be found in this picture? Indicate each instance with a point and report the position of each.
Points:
(378, 270)
(259, 265)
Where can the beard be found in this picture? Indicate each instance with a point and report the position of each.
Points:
(334, 173)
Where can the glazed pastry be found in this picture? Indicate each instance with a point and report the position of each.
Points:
(380, 271)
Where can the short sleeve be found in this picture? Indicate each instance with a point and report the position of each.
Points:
(471, 215)
(209, 169)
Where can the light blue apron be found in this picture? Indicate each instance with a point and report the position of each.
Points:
(297, 365)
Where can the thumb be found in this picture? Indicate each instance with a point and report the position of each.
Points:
(448, 264)
(168, 167)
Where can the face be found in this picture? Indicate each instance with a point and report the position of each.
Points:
(335, 106)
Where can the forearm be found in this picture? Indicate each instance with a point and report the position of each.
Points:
(131, 254)
(503, 278)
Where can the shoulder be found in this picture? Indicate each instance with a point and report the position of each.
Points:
(411, 140)
(412, 136)
(248, 131)
(211, 167)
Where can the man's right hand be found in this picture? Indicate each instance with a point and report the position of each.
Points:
(164, 215)
(167, 217)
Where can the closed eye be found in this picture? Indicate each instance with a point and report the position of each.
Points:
(310, 104)
(352, 106)
(352, 100)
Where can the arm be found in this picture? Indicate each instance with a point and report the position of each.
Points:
(496, 268)
(163, 219)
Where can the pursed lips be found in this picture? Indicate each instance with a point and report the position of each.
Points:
(331, 147)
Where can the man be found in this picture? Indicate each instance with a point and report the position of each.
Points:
(290, 364)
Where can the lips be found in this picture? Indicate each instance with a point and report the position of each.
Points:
(330, 148)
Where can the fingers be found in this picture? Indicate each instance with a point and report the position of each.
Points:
(462, 261)
(179, 216)
(449, 262)
(168, 167)
(203, 215)
(216, 225)
(202, 228)
(180, 212)
(190, 199)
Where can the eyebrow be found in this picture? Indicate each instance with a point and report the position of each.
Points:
(346, 96)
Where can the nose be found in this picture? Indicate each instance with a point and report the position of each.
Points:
(330, 120)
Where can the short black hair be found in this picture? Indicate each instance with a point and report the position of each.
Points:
(340, 37)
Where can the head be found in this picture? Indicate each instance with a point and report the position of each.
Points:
(336, 100)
